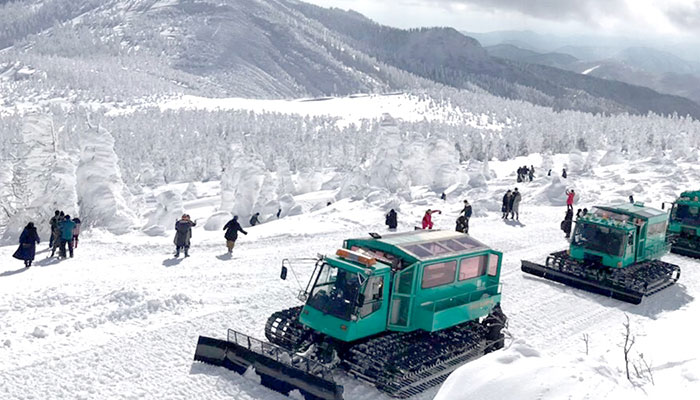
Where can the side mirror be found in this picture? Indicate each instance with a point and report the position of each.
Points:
(283, 274)
(360, 300)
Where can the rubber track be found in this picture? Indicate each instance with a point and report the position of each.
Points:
(686, 246)
(629, 284)
(397, 363)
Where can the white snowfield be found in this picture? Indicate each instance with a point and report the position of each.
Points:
(349, 110)
(122, 318)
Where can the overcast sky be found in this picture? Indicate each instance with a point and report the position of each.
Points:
(659, 18)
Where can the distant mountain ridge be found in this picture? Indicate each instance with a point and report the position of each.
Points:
(276, 48)
(642, 66)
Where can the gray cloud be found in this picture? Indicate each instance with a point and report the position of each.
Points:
(585, 10)
(685, 17)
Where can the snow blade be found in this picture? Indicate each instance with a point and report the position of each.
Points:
(278, 369)
(580, 283)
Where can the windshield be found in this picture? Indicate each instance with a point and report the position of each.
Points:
(599, 238)
(335, 291)
(687, 215)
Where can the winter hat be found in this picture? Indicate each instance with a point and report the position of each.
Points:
(30, 225)
(235, 217)
(67, 217)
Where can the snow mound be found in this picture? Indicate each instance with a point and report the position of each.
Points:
(217, 221)
(40, 333)
(169, 209)
(553, 194)
(522, 370)
(612, 157)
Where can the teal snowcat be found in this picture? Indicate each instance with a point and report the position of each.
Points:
(615, 252)
(684, 225)
(400, 312)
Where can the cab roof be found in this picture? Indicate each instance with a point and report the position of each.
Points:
(691, 196)
(421, 245)
(636, 210)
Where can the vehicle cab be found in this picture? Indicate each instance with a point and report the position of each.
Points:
(619, 236)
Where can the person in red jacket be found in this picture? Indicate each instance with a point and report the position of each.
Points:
(570, 199)
(428, 218)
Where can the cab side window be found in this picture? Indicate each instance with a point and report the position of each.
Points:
(439, 274)
(470, 268)
(374, 293)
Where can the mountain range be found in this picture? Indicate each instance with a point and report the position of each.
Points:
(120, 49)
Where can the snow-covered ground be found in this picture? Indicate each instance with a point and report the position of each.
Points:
(121, 319)
(350, 110)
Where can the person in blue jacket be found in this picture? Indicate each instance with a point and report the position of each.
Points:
(27, 245)
(66, 226)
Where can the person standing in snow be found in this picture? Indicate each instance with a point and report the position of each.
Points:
(515, 205)
(279, 211)
(391, 220)
(254, 219)
(27, 245)
(461, 224)
(76, 232)
(631, 199)
(467, 213)
(66, 236)
(584, 212)
(549, 173)
(505, 208)
(579, 212)
(443, 196)
(232, 228)
(531, 172)
(570, 194)
(53, 223)
(428, 218)
(563, 173)
(567, 222)
(183, 234)
(56, 233)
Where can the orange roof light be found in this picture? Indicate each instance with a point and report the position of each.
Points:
(356, 256)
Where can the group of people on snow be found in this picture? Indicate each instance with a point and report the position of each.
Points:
(64, 233)
(525, 173)
(511, 205)
(462, 222)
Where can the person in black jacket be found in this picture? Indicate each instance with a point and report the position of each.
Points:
(53, 222)
(27, 245)
(391, 220)
(462, 224)
(232, 228)
(567, 222)
(506, 204)
(183, 234)
(466, 213)
(254, 219)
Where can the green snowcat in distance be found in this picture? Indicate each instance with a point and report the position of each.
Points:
(684, 225)
(615, 252)
(400, 312)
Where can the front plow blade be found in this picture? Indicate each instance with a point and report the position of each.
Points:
(278, 369)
